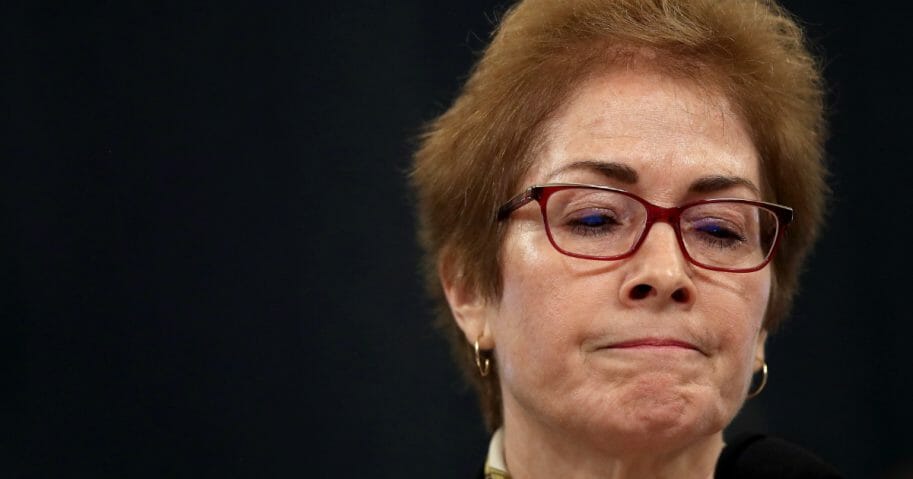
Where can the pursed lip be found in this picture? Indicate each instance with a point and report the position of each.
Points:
(654, 343)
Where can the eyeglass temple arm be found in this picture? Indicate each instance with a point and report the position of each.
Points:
(516, 202)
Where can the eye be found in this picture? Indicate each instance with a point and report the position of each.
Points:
(718, 233)
(591, 222)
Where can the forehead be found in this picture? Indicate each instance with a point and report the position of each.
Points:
(670, 131)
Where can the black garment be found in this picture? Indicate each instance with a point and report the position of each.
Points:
(756, 456)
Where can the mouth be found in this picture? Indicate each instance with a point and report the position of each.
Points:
(648, 343)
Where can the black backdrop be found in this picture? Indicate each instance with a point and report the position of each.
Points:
(209, 263)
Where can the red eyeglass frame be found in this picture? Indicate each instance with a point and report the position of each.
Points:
(671, 216)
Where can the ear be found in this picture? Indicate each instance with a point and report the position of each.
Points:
(472, 311)
(759, 350)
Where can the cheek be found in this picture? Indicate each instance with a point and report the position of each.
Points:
(740, 310)
(532, 278)
(533, 330)
(757, 296)
(733, 313)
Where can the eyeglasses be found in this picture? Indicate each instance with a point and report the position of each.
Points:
(603, 223)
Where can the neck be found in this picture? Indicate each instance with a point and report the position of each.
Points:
(538, 451)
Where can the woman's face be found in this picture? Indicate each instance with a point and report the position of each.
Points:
(559, 328)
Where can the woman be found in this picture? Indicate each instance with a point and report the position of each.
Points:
(601, 208)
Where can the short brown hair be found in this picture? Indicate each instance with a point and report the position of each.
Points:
(472, 157)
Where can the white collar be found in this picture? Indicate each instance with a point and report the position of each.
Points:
(495, 466)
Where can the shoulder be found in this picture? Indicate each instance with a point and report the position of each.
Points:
(757, 456)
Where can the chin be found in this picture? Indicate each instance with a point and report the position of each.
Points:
(655, 419)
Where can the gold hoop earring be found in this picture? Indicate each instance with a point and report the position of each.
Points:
(763, 382)
(483, 367)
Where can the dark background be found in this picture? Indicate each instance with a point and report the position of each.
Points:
(208, 259)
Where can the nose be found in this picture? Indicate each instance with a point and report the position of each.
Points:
(659, 273)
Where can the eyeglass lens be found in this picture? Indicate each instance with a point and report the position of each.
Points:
(604, 224)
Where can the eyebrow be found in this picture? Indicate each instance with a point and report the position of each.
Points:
(713, 183)
(627, 175)
(609, 169)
